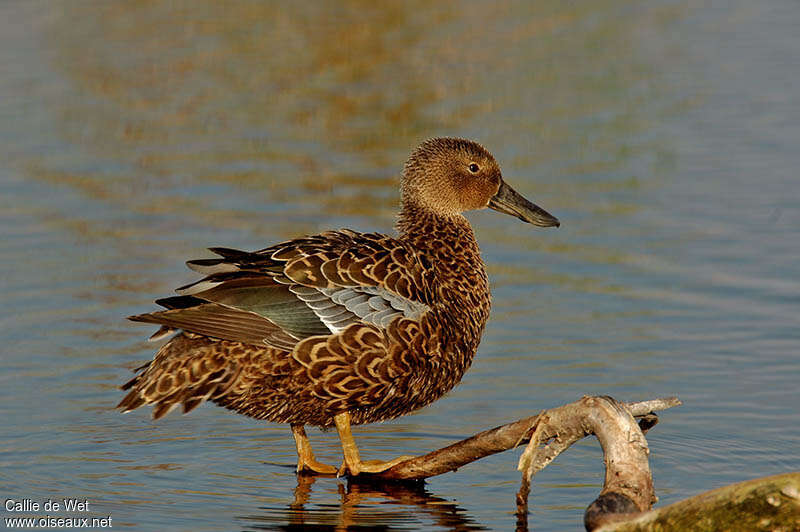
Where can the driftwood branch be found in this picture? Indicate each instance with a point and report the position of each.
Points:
(506, 437)
(768, 504)
(628, 487)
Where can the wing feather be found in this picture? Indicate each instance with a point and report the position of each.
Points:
(211, 319)
(311, 286)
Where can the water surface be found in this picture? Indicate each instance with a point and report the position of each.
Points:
(663, 134)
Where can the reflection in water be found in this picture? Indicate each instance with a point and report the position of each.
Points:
(264, 106)
(176, 106)
(371, 506)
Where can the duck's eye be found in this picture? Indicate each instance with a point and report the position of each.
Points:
(474, 168)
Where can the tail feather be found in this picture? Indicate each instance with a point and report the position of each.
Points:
(186, 371)
(190, 403)
(229, 253)
(131, 401)
(211, 266)
(162, 409)
(162, 333)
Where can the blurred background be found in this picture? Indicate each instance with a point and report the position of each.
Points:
(663, 134)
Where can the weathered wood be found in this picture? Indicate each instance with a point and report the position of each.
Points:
(764, 504)
(500, 439)
(768, 504)
(628, 485)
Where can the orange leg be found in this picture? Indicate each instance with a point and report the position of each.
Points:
(352, 459)
(305, 456)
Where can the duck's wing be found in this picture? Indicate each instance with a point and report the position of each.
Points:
(306, 287)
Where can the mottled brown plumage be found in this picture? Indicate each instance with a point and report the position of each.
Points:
(341, 327)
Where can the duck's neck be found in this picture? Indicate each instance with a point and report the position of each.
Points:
(448, 242)
(438, 234)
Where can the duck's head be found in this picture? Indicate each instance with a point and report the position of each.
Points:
(450, 175)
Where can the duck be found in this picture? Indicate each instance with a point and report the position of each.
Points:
(341, 328)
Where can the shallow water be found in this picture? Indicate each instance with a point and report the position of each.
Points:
(663, 134)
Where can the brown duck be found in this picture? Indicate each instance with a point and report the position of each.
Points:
(342, 327)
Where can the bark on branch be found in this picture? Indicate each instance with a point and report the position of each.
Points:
(571, 419)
